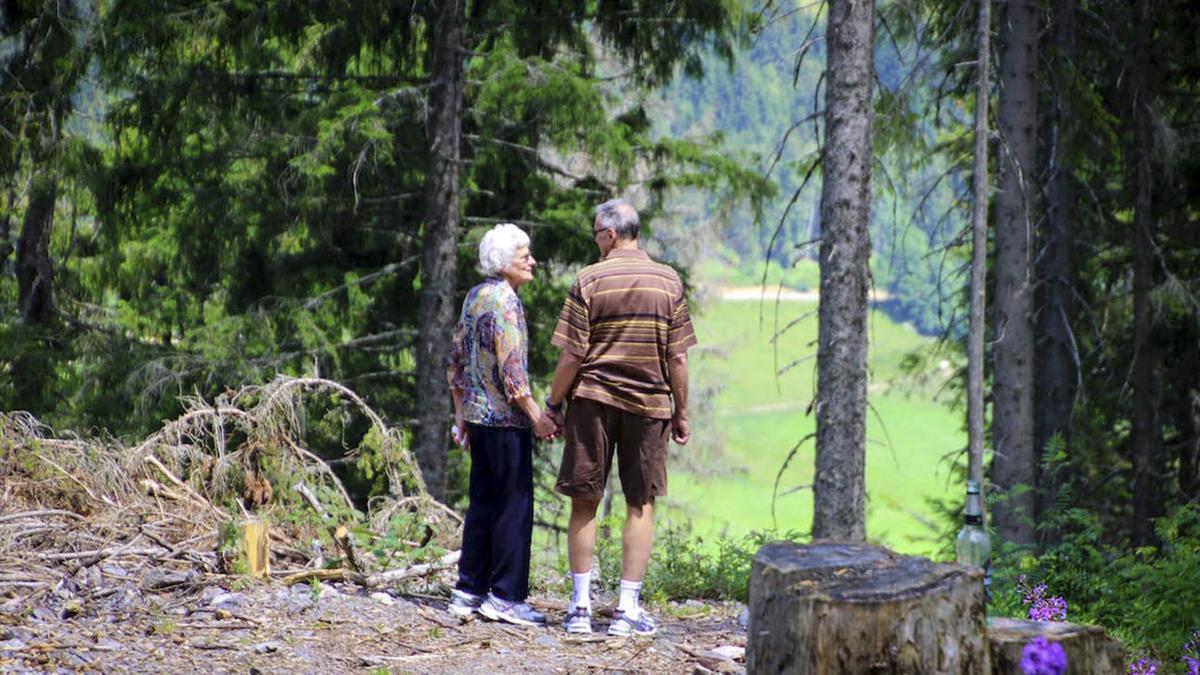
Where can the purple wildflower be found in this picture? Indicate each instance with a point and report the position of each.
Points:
(1043, 658)
(1143, 667)
(1041, 608)
(1049, 609)
(1191, 654)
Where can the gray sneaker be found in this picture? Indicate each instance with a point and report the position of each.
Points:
(519, 613)
(578, 621)
(624, 625)
(464, 604)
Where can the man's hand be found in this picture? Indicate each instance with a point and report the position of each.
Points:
(681, 429)
(559, 422)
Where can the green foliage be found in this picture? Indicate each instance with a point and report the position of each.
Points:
(1146, 596)
(685, 566)
(803, 275)
(248, 201)
(721, 481)
(777, 125)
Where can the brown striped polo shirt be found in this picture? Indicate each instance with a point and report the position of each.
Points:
(625, 316)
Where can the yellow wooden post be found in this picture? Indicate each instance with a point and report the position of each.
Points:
(254, 543)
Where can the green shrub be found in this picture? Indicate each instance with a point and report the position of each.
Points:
(1148, 597)
(685, 566)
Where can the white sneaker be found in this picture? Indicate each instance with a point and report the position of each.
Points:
(578, 621)
(624, 625)
(463, 604)
(518, 613)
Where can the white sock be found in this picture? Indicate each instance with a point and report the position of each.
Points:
(628, 602)
(582, 594)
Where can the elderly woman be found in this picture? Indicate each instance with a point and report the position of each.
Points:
(494, 411)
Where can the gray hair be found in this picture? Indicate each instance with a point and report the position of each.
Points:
(620, 216)
(499, 246)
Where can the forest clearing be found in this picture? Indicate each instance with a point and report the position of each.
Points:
(903, 296)
(113, 562)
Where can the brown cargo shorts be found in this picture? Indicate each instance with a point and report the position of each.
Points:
(593, 431)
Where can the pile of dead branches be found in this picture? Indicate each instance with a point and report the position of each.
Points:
(172, 501)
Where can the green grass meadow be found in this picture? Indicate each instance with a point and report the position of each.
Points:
(722, 482)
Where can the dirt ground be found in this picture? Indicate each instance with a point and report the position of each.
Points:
(155, 624)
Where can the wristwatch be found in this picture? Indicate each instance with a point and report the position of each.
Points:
(556, 409)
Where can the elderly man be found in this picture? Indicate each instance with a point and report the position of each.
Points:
(624, 332)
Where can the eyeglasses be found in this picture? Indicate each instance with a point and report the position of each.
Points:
(596, 233)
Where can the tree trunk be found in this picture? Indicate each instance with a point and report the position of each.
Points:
(1012, 420)
(439, 243)
(975, 421)
(843, 607)
(35, 280)
(1089, 650)
(6, 247)
(839, 490)
(1189, 451)
(1146, 442)
(1055, 375)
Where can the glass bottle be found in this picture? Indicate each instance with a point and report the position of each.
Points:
(973, 546)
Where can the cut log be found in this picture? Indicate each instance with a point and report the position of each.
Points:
(842, 607)
(1089, 650)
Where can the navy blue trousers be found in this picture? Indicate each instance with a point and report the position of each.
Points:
(499, 526)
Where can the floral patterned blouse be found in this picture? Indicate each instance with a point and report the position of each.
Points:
(489, 356)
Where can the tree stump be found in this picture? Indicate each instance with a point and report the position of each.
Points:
(840, 607)
(1089, 649)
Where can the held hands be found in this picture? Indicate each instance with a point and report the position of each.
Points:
(546, 427)
(557, 418)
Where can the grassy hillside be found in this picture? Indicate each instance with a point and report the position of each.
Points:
(757, 418)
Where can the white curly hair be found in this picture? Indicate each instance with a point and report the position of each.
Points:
(499, 246)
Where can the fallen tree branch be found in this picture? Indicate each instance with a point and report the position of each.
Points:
(392, 576)
(378, 579)
(324, 467)
(151, 459)
(39, 514)
(78, 482)
(340, 533)
(99, 554)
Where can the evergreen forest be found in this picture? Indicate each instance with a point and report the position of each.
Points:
(199, 199)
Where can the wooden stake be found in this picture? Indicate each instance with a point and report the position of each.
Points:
(254, 543)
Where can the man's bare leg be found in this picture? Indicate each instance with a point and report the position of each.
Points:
(637, 539)
(581, 534)
(629, 618)
(581, 543)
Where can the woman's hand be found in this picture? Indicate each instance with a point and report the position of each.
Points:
(459, 431)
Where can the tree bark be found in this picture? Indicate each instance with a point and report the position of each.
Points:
(1189, 451)
(439, 243)
(975, 421)
(1089, 650)
(6, 247)
(843, 607)
(839, 489)
(1055, 375)
(1146, 440)
(1012, 421)
(35, 279)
